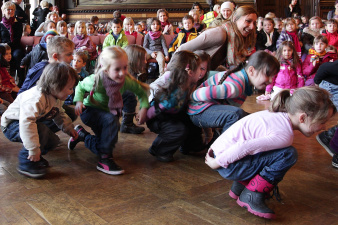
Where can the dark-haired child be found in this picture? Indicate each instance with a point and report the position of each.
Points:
(116, 36)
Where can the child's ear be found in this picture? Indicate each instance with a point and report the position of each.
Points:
(302, 117)
(250, 70)
(55, 57)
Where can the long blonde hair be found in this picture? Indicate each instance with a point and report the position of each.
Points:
(80, 23)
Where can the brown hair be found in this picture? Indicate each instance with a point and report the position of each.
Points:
(136, 59)
(321, 38)
(93, 19)
(55, 77)
(269, 20)
(295, 57)
(205, 57)
(162, 10)
(331, 21)
(188, 17)
(151, 20)
(82, 55)
(289, 20)
(312, 100)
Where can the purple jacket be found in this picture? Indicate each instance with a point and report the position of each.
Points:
(90, 46)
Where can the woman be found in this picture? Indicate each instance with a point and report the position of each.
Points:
(167, 27)
(333, 14)
(292, 8)
(229, 43)
(10, 33)
(53, 16)
(40, 14)
(226, 11)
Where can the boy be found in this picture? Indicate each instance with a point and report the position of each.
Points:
(79, 64)
(268, 36)
(138, 28)
(70, 28)
(331, 32)
(188, 33)
(116, 36)
(24, 119)
(315, 58)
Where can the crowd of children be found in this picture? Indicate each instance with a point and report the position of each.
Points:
(68, 78)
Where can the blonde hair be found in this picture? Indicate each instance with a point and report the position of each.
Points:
(78, 24)
(127, 20)
(7, 5)
(288, 21)
(312, 100)
(44, 4)
(270, 15)
(58, 45)
(136, 59)
(50, 14)
(60, 24)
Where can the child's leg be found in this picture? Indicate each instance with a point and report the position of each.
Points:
(161, 62)
(129, 105)
(218, 116)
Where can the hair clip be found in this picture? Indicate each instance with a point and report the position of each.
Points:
(187, 68)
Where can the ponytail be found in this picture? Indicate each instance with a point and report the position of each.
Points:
(279, 101)
(234, 70)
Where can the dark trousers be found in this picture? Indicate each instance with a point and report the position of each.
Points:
(17, 55)
(129, 102)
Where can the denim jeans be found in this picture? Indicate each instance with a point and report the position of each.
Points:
(218, 116)
(47, 138)
(105, 126)
(129, 102)
(271, 165)
(333, 89)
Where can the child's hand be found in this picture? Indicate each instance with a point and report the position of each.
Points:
(74, 134)
(34, 158)
(16, 89)
(78, 108)
(153, 55)
(22, 66)
(1, 101)
(210, 160)
(142, 116)
(266, 92)
(166, 58)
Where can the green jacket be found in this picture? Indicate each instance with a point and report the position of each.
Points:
(100, 93)
(121, 41)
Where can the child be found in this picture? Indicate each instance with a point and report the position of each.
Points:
(309, 34)
(8, 88)
(8, 58)
(305, 21)
(256, 151)
(260, 23)
(23, 120)
(197, 24)
(47, 25)
(83, 42)
(116, 36)
(128, 26)
(61, 28)
(155, 45)
(163, 16)
(70, 28)
(167, 115)
(188, 33)
(143, 27)
(331, 32)
(103, 107)
(26, 30)
(290, 34)
(216, 102)
(39, 52)
(90, 29)
(315, 58)
(79, 64)
(290, 75)
(278, 24)
(268, 36)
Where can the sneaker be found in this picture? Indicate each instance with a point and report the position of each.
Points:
(33, 170)
(161, 158)
(324, 140)
(82, 134)
(335, 161)
(43, 162)
(108, 166)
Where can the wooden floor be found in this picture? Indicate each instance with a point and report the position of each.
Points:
(150, 192)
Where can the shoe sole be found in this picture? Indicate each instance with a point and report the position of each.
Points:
(324, 146)
(28, 174)
(110, 172)
(69, 148)
(247, 206)
(335, 165)
(233, 195)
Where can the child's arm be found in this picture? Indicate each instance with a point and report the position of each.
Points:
(108, 41)
(300, 77)
(82, 87)
(173, 44)
(26, 60)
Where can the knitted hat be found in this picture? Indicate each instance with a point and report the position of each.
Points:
(227, 5)
(50, 32)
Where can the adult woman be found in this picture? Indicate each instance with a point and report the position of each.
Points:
(10, 33)
(292, 8)
(229, 43)
(162, 16)
(227, 9)
(333, 14)
(53, 16)
(40, 14)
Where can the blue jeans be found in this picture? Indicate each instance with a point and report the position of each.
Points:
(129, 102)
(333, 89)
(271, 165)
(47, 138)
(105, 126)
(218, 116)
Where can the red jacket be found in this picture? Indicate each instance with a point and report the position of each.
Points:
(332, 38)
(6, 81)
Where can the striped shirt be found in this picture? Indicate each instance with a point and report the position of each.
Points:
(233, 91)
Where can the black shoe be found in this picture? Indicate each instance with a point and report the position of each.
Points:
(33, 170)
(236, 190)
(161, 158)
(324, 140)
(82, 135)
(43, 162)
(131, 128)
(108, 166)
(335, 161)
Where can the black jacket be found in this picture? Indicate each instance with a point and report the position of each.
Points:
(6, 37)
(37, 54)
(262, 39)
(20, 14)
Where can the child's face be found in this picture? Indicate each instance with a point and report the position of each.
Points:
(297, 21)
(54, 18)
(331, 28)
(307, 128)
(218, 9)
(8, 55)
(78, 63)
(287, 52)
(138, 28)
(320, 46)
(162, 17)
(90, 30)
(268, 27)
(67, 90)
(143, 26)
(196, 75)
(315, 25)
(62, 29)
(118, 69)
(116, 28)
(48, 38)
(80, 29)
(129, 26)
(304, 20)
(155, 26)
(66, 56)
(290, 27)
(226, 13)
(279, 26)
(71, 30)
(51, 26)
(204, 67)
(187, 24)
(258, 78)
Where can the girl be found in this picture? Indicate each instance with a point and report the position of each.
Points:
(128, 27)
(290, 34)
(256, 151)
(290, 75)
(103, 107)
(61, 28)
(83, 42)
(197, 24)
(216, 102)
(163, 16)
(24, 119)
(156, 45)
(90, 29)
(267, 38)
(136, 68)
(51, 16)
(26, 30)
(167, 115)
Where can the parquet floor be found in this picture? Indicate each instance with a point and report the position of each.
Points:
(150, 192)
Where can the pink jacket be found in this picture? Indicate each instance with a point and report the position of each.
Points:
(332, 38)
(287, 78)
(311, 64)
(90, 46)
